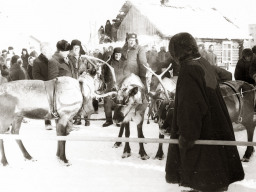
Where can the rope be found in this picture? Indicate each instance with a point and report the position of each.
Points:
(119, 139)
(240, 93)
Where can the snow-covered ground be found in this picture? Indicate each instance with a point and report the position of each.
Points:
(96, 166)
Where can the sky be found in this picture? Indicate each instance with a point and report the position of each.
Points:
(53, 20)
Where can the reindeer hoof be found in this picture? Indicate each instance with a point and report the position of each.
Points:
(144, 157)
(117, 144)
(64, 162)
(87, 123)
(159, 157)
(4, 162)
(126, 155)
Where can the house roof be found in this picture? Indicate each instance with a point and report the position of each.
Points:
(200, 22)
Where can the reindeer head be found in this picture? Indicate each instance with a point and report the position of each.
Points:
(129, 99)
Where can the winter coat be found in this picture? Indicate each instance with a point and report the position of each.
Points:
(242, 71)
(162, 56)
(29, 70)
(16, 73)
(152, 58)
(79, 65)
(108, 28)
(175, 67)
(119, 72)
(203, 53)
(40, 68)
(211, 58)
(134, 58)
(58, 67)
(222, 75)
(25, 61)
(202, 115)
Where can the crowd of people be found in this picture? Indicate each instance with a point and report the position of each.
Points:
(196, 116)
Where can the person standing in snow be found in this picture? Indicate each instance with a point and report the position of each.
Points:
(202, 115)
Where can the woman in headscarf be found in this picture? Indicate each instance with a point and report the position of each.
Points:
(200, 114)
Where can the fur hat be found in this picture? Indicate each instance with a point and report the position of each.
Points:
(15, 59)
(63, 45)
(77, 42)
(33, 54)
(247, 53)
(183, 46)
(117, 50)
(10, 48)
(131, 35)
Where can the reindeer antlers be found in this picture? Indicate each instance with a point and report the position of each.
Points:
(159, 77)
(102, 63)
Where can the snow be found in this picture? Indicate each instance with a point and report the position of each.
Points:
(95, 166)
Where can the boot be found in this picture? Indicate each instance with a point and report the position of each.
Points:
(107, 123)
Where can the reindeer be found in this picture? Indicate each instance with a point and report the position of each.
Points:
(131, 105)
(239, 97)
(59, 98)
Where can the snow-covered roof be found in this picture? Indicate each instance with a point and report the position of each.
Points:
(200, 22)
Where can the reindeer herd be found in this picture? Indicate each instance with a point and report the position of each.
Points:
(69, 96)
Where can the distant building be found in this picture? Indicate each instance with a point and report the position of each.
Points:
(208, 26)
(252, 32)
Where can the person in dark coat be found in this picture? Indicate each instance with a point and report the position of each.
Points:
(40, 69)
(58, 64)
(79, 65)
(242, 70)
(108, 28)
(117, 63)
(202, 115)
(24, 57)
(16, 72)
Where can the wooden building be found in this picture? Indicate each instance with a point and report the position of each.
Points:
(208, 26)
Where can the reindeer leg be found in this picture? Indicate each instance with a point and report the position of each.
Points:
(15, 130)
(61, 129)
(127, 149)
(121, 131)
(249, 150)
(3, 159)
(160, 153)
(142, 151)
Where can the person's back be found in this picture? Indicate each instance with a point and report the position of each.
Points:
(40, 65)
(16, 72)
(202, 115)
(242, 70)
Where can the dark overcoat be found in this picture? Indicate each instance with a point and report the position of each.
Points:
(16, 73)
(242, 71)
(40, 68)
(58, 67)
(201, 114)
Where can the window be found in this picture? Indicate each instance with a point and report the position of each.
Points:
(226, 52)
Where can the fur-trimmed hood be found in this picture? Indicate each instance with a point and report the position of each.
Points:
(183, 47)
